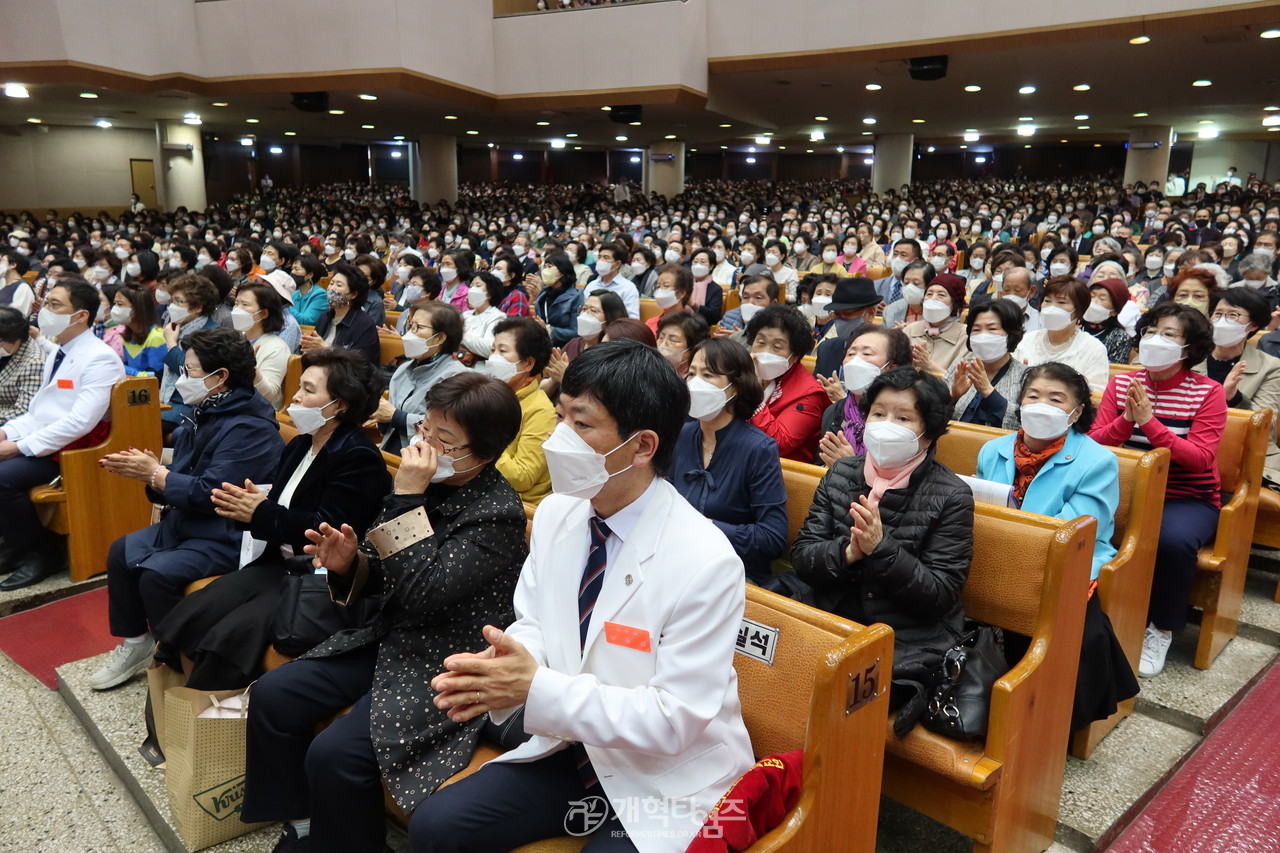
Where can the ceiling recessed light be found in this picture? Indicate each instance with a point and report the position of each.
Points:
(1271, 121)
(191, 118)
(1206, 121)
(579, 147)
(89, 95)
(1270, 109)
(868, 160)
(724, 147)
(973, 88)
(620, 138)
(450, 118)
(1097, 145)
(971, 136)
(397, 154)
(543, 123)
(1207, 133)
(752, 149)
(215, 103)
(867, 133)
(1026, 118)
(808, 150)
(337, 112)
(635, 159)
(874, 87)
(291, 133)
(1081, 117)
(1269, 34)
(917, 121)
(669, 136)
(818, 136)
(557, 143)
(751, 159)
(821, 118)
(726, 124)
(634, 123)
(1082, 127)
(979, 159)
(762, 140)
(767, 133)
(246, 141)
(398, 138)
(1142, 39)
(103, 123)
(1200, 84)
(367, 126)
(930, 149)
(964, 146)
(868, 120)
(1272, 129)
(840, 149)
(16, 90)
(780, 148)
(606, 109)
(1141, 115)
(517, 156)
(1026, 146)
(251, 121)
(473, 133)
(368, 97)
(1062, 140)
(34, 120)
(1027, 130)
(1027, 90)
(571, 136)
(276, 149)
(1082, 87)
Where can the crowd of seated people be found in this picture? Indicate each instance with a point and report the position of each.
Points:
(573, 348)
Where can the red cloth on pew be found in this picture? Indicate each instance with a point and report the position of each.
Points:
(97, 435)
(754, 805)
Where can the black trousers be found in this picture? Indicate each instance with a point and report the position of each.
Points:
(19, 524)
(138, 598)
(503, 806)
(292, 773)
(1186, 527)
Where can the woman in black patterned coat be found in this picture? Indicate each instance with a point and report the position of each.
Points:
(440, 563)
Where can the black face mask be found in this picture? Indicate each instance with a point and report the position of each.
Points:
(1202, 223)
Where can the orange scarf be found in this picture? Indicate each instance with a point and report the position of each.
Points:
(1027, 463)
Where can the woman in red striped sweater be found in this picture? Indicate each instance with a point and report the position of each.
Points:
(1164, 404)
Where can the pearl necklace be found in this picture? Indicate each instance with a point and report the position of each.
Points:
(1059, 348)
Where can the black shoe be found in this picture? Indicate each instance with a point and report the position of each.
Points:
(10, 558)
(290, 842)
(33, 569)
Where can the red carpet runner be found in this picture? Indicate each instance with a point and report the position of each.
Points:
(1226, 797)
(46, 637)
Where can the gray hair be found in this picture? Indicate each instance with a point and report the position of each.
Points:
(1257, 262)
(1108, 243)
(1223, 277)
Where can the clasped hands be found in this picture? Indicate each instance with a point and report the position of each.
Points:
(495, 679)
(867, 532)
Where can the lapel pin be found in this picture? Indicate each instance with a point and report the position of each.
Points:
(627, 580)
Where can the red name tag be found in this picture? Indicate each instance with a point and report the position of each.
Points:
(67, 383)
(624, 635)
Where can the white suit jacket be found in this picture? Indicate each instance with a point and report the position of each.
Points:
(663, 726)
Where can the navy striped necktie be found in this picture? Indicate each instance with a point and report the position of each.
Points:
(588, 592)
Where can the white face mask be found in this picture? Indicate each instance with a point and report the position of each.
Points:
(988, 346)
(820, 304)
(133, 270)
(81, 263)
(719, 255)
(266, 263)
(1059, 268)
(122, 253)
(241, 320)
(908, 233)
(700, 270)
(1043, 421)
(52, 324)
(665, 298)
(1158, 352)
(977, 264)
(939, 263)
(121, 314)
(502, 369)
(519, 250)
(448, 274)
(638, 268)
(232, 265)
(102, 273)
(603, 268)
(1168, 270)
(935, 310)
(1154, 262)
(706, 401)
(576, 469)
(772, 259)
(898, 265)
(416, 347)
(749, 310)
(1020, 301)
(1054, 318)
(769, 366)
(309, 419)
(858, 374)
(589, 325)
(445, 465)
(193, 390)
(829, 256)
(747, 259)
(1096, 313)
(1228, 333)
(433, 252)
(349, 254)
(671, 256)
(890, 445)
(913, 293)
(178, 313)
(476, 297)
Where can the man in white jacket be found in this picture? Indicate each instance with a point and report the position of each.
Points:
(621, 656)
(75, 392)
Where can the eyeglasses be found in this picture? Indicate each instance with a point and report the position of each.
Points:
(439, 445)
(1167, 333)
(419, 329)
(1234, 316)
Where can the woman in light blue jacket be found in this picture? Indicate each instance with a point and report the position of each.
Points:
(1055, 469)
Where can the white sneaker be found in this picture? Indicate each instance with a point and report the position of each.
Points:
(1155, 647)
(126, 661)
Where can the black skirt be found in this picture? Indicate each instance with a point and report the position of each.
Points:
(224, 628)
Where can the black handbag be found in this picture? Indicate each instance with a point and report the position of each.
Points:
(306, 615)
(961, 697)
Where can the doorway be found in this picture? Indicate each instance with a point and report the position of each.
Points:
(143, 173)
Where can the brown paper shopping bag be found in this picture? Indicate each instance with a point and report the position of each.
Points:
(204, 768)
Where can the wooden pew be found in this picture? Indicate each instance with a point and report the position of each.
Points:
(732, 299)
(1114, 370)
(1026, 575)
(1124, 583)
(1219, 582)
(1266, 529)
(92, 506)
(801, 482)
(805, 699)
(390, 347)
(292, 381)
(810, 363)
(649, 309)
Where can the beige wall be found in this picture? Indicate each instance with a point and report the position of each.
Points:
(71, 167)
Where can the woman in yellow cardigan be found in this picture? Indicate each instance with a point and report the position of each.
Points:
(521, 349)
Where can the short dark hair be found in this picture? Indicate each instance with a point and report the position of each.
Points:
(312, 267)
(288, 253)
(445, 320)
(495, 291)
(1006, 312)
(610, 303)
(531, 339)
(637, 387)
(14, 327)
(268, 300)
(148, 264)
(82, 295)
(1072, 378)
(357, 281)
(1246, 299)
(915, 247)
(684, 279)
(144, 312)
(1072, 288)
(933, 400)
(788, 320)
(486, 408)
(771, 286)
(693, 326)
(725, 358)
(616, 249)
(896, 343)
(560, 260)
(1196, 331)
(198, 289)
(374, 280)
(351, 378)
(224, 349)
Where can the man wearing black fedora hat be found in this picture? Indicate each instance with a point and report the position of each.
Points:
(854, 305)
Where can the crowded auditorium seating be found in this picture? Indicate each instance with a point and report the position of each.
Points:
(91, 506)
(1124, 583)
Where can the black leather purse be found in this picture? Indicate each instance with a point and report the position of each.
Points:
(961, 698)
(306, 615)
